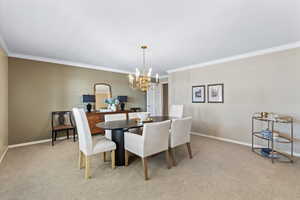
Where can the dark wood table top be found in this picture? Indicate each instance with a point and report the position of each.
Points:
(126, 124)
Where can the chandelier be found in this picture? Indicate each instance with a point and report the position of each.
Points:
(142, 79)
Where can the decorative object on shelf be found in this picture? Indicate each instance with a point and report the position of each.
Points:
(272, 136)
(142, 79)
(112, 103)
(122, 100)
(88, 98)
(215, 93)
(198, 94)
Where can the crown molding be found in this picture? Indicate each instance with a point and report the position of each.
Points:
(241, 56)
(65, 62)
(3, 45)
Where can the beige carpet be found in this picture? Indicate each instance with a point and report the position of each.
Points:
(218, 170)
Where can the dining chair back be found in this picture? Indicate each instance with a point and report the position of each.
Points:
(84, 133)
(136, 115)
(180, 135)
(176, 111)
(156, 137)
(180, 131)
(113, 117)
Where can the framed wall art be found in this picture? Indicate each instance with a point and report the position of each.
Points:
(198, 94)
(215, 93)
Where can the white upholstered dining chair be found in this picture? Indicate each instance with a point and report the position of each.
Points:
(86, 146)
(176, 111)
(113, 117)
(137, 115)
(154, 140)
(180, 135)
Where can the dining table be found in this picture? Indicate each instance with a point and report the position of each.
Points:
(117, 132)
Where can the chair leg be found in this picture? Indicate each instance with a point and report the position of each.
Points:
(104, 156)
(145, 165)
(113, 160)
(126, 157)
(189, 149)
(55, 135)
(87, 167)
(74, 134)
(81, 160)
(52, 138)
(172, 154)
(68, 136)
(168, 159)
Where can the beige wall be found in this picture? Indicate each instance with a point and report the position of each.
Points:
(37, 88)
(3, 102)
(263, 83)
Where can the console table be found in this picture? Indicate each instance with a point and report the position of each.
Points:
(97, 117)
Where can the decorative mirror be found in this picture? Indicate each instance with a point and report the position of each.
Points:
(102, 91)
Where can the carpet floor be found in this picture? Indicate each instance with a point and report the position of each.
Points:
(218, 170)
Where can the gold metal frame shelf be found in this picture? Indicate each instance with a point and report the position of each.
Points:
(271, 119)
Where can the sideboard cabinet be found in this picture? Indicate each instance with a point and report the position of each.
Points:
(97, 117)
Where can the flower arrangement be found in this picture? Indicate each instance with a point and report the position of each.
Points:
(112, 101)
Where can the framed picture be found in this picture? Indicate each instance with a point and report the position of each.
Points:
(215, 93)
(198, 94)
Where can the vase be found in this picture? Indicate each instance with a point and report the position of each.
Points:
(113, 107)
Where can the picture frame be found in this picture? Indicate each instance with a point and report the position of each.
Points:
(198, 94)
(215, 93)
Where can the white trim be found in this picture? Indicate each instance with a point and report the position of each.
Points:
(3, 155)
(231, 141)
(3, 45)
(34, 142)
(71, 63)
(164, 76)
(65, 62)
(238, 57)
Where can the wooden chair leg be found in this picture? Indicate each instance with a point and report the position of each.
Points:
(113, 160)
(104, 156)
(87, 167)
(55, 135)
(81, 160)
(74, 135)
(68, 136)
(168, 159)
(189, 150)
(145, 165)
(126, 157)
(172, 154)
(52, 138)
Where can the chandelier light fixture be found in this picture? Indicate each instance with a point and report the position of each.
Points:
(142, 79)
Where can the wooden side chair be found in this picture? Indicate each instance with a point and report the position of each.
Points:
(154, 140)
(86, 146)
(62, 122)
(180, 135)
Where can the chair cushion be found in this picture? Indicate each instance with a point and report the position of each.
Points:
(103, 145)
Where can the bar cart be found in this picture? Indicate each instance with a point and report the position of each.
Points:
(271, 136)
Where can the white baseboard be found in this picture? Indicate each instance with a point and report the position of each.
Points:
(3, 155)
(34, 142)
(232, 141)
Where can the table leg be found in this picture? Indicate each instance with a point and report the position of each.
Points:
(118, 137)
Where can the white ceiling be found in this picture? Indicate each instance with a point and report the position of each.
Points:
(178, 33)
